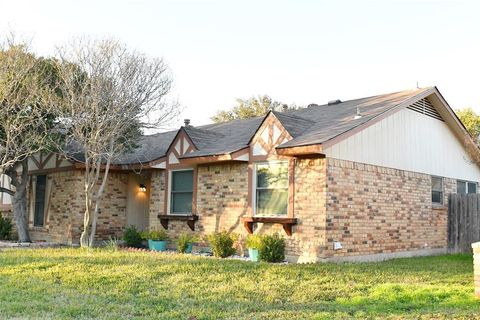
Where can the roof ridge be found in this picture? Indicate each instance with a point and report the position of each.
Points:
(312, 105)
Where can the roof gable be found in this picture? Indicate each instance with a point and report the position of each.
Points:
(268, 136)
(317, 126)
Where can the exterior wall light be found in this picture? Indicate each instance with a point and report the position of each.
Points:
(142, 188)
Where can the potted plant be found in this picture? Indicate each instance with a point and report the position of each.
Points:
(185, 243)
(157, 239)
(254, 243)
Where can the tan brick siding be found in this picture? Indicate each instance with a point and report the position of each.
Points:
(372, 209)
(65, 216)
(222, 200)
(157, 193)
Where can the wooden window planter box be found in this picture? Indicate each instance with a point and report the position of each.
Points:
(189, 218)
(287, 223)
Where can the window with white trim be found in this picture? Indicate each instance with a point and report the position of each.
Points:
(271, 188)
(437, 190)
(464, 187)
(181, 192)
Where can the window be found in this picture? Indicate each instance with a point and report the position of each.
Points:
(437, 190)
(39, 213)
(271, 194)
(464, 187)
(181, 194)
(472, 187)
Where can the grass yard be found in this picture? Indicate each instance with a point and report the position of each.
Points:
(75, 283)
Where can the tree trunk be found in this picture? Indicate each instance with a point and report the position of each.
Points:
(19, 204)
(98, 200)
(86, 222)
(19, 199)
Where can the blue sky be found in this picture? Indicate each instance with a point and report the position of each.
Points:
(295, 51)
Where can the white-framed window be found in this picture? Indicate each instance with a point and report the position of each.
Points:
(271, 188)
(464, 187)
(181, 191)
(437, 190)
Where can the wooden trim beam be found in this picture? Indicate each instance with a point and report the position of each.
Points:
(287, 223)
(190, 219)
(304, 150)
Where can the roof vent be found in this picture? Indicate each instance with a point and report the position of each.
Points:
(358, 115)
(186, 122)
(333, 102)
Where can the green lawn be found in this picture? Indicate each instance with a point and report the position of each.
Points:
(75, 283)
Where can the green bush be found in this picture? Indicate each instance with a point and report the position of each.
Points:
(6, 227)
(222, 244)
(111, 244)
(132, 237)
(155, 235)
(254, 241)
(272, 248)
(184, 240)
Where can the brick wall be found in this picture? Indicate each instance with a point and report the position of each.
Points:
(65, 216)
(222, 200)
(157, 192)
(373, 209)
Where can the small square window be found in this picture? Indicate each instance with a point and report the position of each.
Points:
(461, 187)
(472, 187)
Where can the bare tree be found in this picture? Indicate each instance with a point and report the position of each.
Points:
(109, 93)
(25, 121)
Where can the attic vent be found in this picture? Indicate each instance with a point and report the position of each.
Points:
(332, 102)
(425, 107)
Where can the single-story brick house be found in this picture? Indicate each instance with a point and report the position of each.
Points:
(360, 179)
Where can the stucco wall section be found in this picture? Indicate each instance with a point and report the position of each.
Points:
(372, 209)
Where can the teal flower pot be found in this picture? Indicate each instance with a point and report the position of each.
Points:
(189, 248)
(157, 245)
(253, 254)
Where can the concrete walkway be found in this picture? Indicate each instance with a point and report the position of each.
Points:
(14, 245)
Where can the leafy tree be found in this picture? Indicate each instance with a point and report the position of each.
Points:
(471, 120)
(108, 94)
(249, 108)
(26, 83)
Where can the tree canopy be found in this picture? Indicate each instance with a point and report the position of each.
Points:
(26, 120)
(108, 94)
(471, 120)
(250, 108)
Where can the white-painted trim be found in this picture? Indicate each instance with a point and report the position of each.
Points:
(244, 157)
(161, 165)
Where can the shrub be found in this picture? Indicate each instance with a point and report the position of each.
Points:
(111, 244)
(272, 248)
(254, 241)
(6, 227)
(222, 244)
(155, 235)
(184, 240)
(132, 237)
